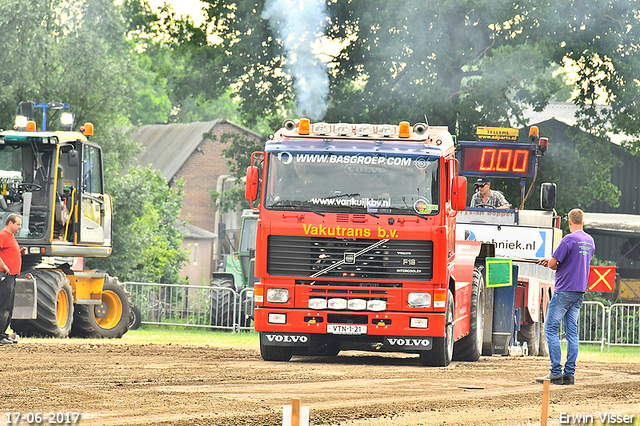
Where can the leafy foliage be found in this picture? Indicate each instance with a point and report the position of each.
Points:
(146, 236)
(84, 53)
(460, 64)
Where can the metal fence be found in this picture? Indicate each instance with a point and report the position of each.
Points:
(226, 309)
(618, 324)
(195, 306)
(624, 325)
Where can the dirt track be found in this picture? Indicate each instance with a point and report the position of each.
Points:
(119, 383)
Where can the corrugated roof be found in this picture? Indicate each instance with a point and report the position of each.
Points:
(564, 112)
(193, 232)
(168, 146)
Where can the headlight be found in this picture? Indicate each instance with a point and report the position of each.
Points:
(337, 303)
(317, 303)
(419, 300)
(277, 295)
(376, 305)
(357, 304)
(277, 318)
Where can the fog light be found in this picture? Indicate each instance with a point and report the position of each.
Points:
(376, 305)
(277, 318)
(419, 300)
(337, 303)
(357, 304)
(317, 303)
(277, 295)
(419, 323)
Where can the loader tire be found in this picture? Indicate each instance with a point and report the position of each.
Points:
(135, 320)
(469, 348)
(110, 319)
(55, 307)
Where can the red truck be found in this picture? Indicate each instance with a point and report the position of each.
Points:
(356, 244)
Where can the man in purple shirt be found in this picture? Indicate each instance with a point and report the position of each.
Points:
(571, 262)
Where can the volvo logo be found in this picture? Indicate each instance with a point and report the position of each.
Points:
(350, 258)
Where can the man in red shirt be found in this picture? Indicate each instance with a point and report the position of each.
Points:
(10, 264)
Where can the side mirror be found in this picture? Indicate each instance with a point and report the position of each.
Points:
(27, 109)
(222, 231)
(459, 193)
(73, 158)
(251, 188)
(548, 196)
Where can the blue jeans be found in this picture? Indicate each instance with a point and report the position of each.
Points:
(564, 305)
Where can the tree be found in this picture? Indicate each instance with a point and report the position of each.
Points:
(460, 64)
(145, 229)
(83, 53)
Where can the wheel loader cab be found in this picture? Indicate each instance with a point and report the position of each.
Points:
(55, 181)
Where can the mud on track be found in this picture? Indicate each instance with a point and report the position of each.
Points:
(118, 383)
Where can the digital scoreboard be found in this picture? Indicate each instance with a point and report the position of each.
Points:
(497, 159)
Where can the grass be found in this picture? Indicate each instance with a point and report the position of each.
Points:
(591, 352)
(192, 336)
(164, 335)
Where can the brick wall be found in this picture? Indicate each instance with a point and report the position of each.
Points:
(200, 173)
(198, 271)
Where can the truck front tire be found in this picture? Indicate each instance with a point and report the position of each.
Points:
(275, 353)
(442, 352)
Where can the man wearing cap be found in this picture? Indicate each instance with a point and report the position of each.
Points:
(485, 197)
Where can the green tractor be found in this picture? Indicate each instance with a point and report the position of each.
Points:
(232, 287)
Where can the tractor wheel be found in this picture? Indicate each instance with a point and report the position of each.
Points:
(246, 309)
(442, 352)
(55, 307)
(222, 299)
(135, 319)
(109, 319)
(469, 348)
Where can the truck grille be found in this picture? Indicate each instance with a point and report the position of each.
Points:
(350, 258)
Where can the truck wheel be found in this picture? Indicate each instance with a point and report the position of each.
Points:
(110, 319)
(531, 334)
(135, 319)
(442, 352)
(469, 348)
(543, 348)
(222, 302)
(275, 353)
(55, 306)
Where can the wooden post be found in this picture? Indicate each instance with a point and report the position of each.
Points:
(295, 411)
(545, 403)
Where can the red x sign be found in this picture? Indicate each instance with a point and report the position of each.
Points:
(601, 278)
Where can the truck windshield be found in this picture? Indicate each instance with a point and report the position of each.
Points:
(372, 183)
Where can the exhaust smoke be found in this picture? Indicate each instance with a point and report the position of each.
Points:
(300, 25)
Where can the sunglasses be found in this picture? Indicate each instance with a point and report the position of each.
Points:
(482, 185)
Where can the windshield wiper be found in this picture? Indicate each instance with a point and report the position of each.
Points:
(355, 194)
(287, 205)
